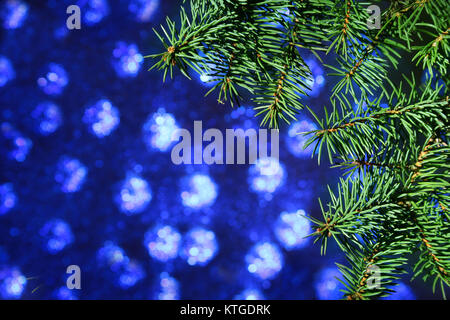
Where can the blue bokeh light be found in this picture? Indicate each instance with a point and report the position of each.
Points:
(266, 175)
(243, 112)
(112, 256)
(296, 140)
(143, 9)
(57, 235)
(134, 195)
(205, 78)
(13, 13)
(327, 286)
(292, 228)
(250, 294)
(64, 293)
(199, 191)
(55, 79)
(126, 59)
(61, 32)
(264, 260)
(158, 130)
(169, 288)
(12, 283)
(102, 118)
(94, 11)
(8, 198)
(317, 81)
(199, 247)
(127, 272)
(242, 117)
(18, 145)
(131, 273)
(48, 117)
(7, 72)
(162, 242)
(70, 174)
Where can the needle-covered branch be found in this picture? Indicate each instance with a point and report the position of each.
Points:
(391, 139)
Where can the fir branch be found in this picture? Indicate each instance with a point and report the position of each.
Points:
(398, 202)
(374, 268)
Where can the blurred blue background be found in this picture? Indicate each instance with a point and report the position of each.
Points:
(86, 176)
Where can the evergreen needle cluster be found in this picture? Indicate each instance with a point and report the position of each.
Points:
(390, 208)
